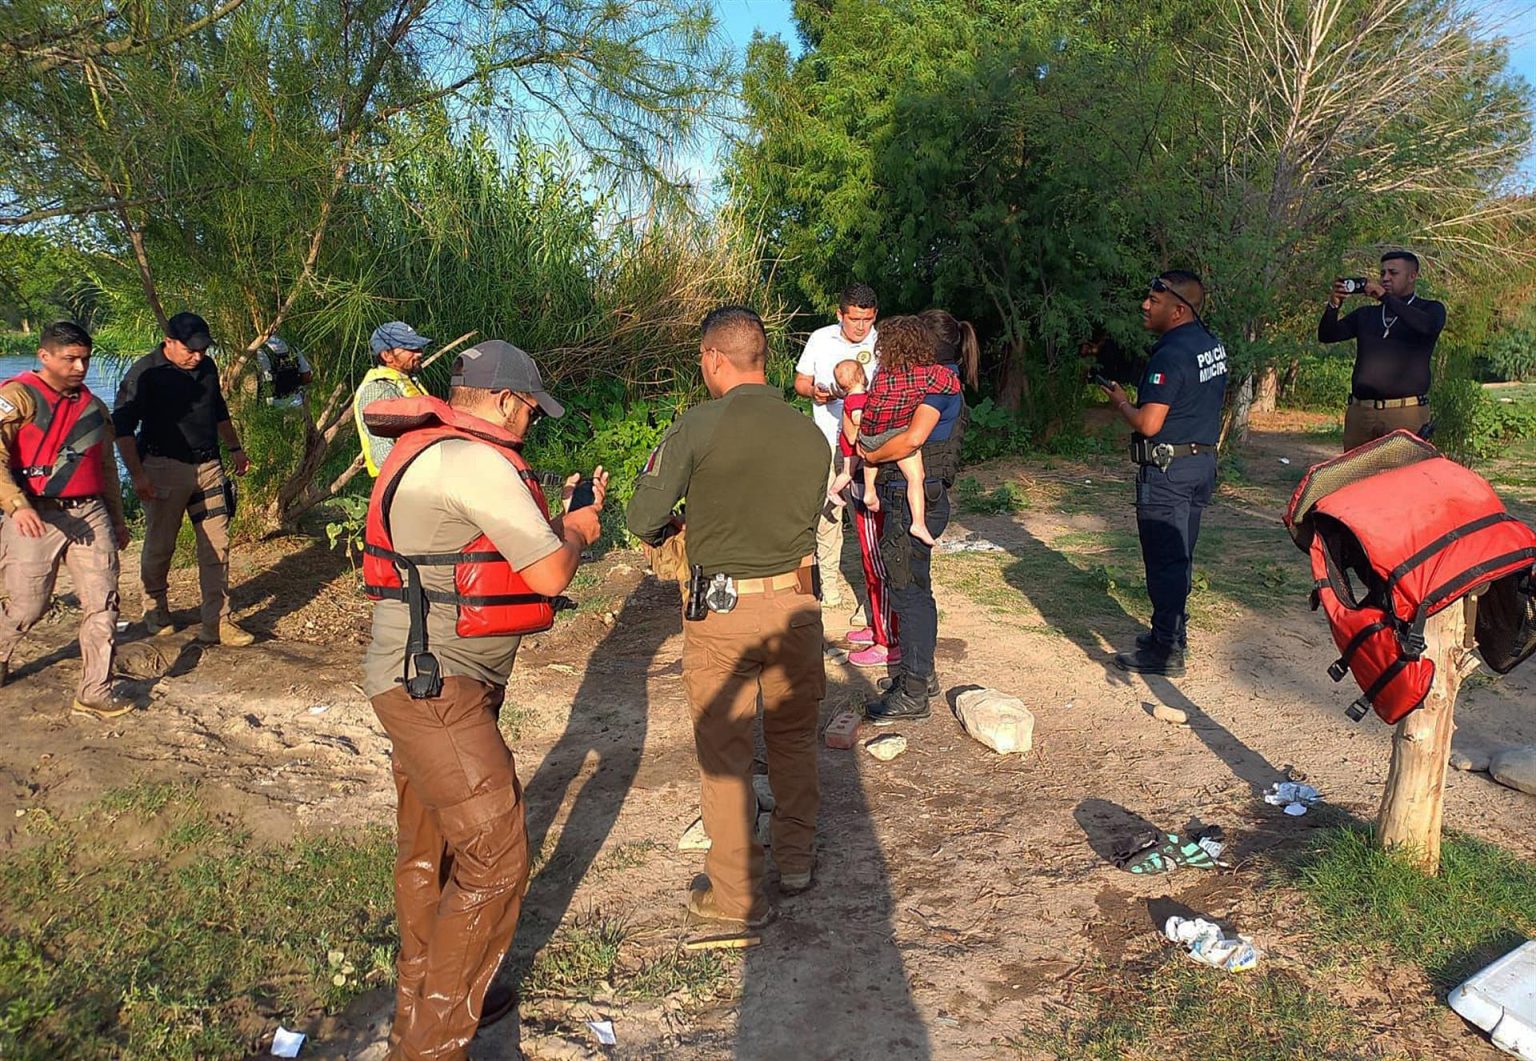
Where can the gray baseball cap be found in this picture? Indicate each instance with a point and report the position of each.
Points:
(495, 365)
(396, 334)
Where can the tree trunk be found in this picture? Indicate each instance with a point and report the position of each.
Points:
(1268, 390)
(1414, 801)
(1235, 425)
(1013, 388)
(1292, 371)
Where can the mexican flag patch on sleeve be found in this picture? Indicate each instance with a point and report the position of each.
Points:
(1156, 378)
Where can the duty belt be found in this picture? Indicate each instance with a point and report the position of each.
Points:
(62, 502)
(1162, 454)
(1389, 403)
(719, 592)
(198, 456)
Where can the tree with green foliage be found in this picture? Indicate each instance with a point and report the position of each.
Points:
(229, 156)
(1028, 166)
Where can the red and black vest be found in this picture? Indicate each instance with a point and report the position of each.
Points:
(491, 597)
(1392, 548)
(58, 453)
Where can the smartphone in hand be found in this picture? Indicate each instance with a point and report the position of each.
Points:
(582, 495)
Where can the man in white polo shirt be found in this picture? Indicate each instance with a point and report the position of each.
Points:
(853, 336)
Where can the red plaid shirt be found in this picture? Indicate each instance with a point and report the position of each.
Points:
(895, 395)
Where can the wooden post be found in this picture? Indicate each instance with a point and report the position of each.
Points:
(1413, 804)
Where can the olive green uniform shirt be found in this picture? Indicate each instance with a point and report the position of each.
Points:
(754, 471)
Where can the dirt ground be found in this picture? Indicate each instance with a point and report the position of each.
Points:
(962, 897)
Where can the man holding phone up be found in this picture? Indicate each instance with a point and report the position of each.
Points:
(1394, 345)
(463, 559)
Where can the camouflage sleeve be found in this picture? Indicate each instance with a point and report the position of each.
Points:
(16, 408)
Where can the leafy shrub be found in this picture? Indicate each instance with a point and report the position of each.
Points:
(994, 432)
(1471, 424)
(1512, 356)
(347, 530)
(1322, 382)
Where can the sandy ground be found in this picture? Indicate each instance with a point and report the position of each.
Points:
(962, 897)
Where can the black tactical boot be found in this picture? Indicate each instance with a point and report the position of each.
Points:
(1155, 659)
(899, 704)
(884, 684)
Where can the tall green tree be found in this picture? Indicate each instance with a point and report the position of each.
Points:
(224, 156)
(1030, 165)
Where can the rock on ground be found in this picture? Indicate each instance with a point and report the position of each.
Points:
(1516, 768)
(999, 721)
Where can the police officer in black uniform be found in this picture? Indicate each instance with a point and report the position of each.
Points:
(1176, 424)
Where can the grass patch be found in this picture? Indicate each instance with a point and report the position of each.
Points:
(971, 497)
(189, 947)
(1176, 1008)
(1480, 906)
(627, 856)
(596, 954)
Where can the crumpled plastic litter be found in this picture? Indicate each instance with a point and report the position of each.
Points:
(1294, 796)
(603, 1029)
(1205, 942)
(286, 1043)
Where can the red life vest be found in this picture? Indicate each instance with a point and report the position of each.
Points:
(491, 597)
(1392, 548)
(58, 453)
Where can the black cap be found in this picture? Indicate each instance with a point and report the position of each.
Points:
(190, 330)
(495, 365)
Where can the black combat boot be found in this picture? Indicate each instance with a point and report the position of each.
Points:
(1154, 659)
(899, 704)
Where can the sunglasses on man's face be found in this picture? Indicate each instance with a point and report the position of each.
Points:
(536, 411)
(1160, 286)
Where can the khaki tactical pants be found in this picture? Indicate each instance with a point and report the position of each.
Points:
(462, 864)
(1364, 422)
(829, 546)
(766, 650)
(81, 538)
(196, 490)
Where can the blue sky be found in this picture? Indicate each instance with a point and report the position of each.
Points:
(1513, 18)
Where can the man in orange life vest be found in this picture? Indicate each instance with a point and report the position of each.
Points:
(463, 559)
(63, 503)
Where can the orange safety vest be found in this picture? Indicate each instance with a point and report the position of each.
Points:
(1392, 548)
(58, 453)
(491, 597)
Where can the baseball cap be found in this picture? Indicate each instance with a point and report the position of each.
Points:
(396, 334)
(189, 329)
(277, 345)
(495, 365)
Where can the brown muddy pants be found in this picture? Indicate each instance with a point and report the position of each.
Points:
(197, 491)
(462, 864)
(81, 538)
(1364, 422)
(768, 649)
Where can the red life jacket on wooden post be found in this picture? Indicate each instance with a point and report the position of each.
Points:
(491, 597)
(1391, 549)
(58, 453)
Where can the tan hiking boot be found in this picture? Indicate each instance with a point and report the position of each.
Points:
(158, 622)
(226, 633)
(795, 883)
(701, 904)
(110, 709)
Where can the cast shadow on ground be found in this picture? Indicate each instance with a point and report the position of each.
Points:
(614, 680)
(279, 589)
(1078, 606)
(831, 961)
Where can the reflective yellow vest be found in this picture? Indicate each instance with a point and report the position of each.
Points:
(375, 449)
